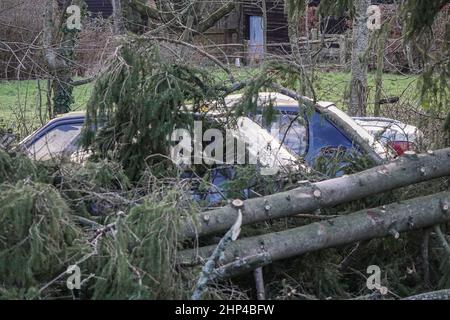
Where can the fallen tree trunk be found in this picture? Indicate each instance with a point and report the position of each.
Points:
(367, 224)
(434, 295)
(324, 194)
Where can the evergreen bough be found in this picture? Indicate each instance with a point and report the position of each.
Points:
(138, 261)
(38, 237)
(138, 102)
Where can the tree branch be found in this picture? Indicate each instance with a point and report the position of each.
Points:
(145, 10)
(211, 20)
(82, 81)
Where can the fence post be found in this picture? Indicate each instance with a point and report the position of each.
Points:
(314, 38)
(245, 54)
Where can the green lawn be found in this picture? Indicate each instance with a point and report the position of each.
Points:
(20, 100)
(331, 86)
(23, 105)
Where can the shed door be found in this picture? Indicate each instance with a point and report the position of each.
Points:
(256, 41)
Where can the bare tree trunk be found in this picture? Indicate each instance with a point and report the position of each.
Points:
(294, 40)
(381, 43)
(264, 13)
(363, 225)
(50, 55)
(119, 26)
(324, 194)
(58, 60)
(358, 82)
(408, 47)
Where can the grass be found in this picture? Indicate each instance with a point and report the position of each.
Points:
(331, 86)
(23, 107)
(20, 100)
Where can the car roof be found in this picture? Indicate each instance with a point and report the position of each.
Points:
(69, 115)
(379, 124)
(77, 115)
(275, 97)
(377, 119)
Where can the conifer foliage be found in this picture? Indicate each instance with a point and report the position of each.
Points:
(140, 99)
(37, 234)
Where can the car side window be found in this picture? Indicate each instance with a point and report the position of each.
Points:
(325, 136)
(289, 128)
(55, 141)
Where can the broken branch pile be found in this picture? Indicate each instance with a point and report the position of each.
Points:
(130, 237)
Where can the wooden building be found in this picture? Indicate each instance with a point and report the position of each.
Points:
(100, 7)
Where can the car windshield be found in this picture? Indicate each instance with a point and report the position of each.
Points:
(55, 141)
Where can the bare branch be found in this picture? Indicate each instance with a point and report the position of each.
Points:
(211, 20)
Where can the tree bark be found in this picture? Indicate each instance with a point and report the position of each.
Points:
(381, 43)
(58, 60)
(53, 62)
(119, 26)
(434, 295)
(215, 16)
(358, 82)
(363, 225)
(264, 14)
(324, 194)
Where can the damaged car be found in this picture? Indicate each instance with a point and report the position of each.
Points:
(293, 139)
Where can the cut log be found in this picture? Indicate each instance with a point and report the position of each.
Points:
(366, 224)
(324, 194)
(435, 295)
